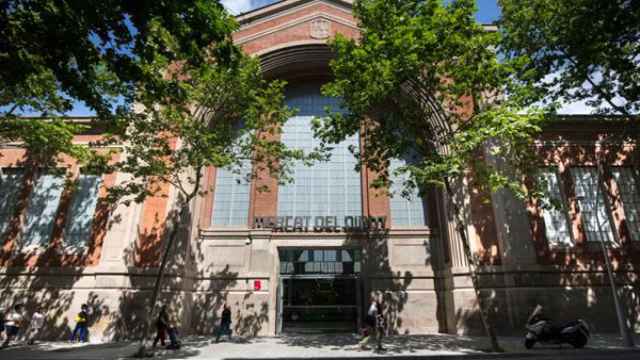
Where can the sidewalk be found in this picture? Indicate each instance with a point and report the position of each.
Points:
(320, 346)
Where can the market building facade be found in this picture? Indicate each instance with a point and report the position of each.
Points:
(305, 256)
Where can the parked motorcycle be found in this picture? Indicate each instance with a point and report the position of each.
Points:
(541, 329)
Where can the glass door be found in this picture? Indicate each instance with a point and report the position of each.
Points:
(319, 304)
(319, 290)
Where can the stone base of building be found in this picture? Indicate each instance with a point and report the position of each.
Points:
(269, 294)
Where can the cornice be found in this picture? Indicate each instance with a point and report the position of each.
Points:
(293, 23)
(285, 7)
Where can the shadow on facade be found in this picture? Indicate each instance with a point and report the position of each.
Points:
(194, 295)
(569, 282)
(377, 278)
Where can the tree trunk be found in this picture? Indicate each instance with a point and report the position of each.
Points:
(482, 305)
(173, 235)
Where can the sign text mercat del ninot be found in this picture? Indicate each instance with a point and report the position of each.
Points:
(320, 223)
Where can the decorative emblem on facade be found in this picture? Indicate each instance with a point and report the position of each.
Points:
(320, 28)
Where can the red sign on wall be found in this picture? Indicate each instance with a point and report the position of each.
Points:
(257, 285)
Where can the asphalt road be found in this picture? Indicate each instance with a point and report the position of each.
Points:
(123, 352)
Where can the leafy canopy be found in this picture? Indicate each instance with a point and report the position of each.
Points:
(427, 78)
(577, 50)
(231, 118)
(54, 53)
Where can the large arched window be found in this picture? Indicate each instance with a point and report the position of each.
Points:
(330, 188)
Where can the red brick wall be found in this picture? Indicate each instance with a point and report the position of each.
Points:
(54, 254)
(570, 145)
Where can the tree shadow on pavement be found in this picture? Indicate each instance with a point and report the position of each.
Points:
(394, 344)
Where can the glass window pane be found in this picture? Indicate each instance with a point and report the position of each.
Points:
(325, 188)
(593, 211)
(553, 209)
(81, 211)
(231, 199)
(628, 188)
(408, 210)
(42, 209)
(10, 186)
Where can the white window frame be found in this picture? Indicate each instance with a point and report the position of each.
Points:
(629, 212)
(604, 212)
(563, 210)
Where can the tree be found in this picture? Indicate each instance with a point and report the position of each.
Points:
(582, 50)
(577, 50)
(427, 79)
(227, 116)
(164, 75)
(57, 52)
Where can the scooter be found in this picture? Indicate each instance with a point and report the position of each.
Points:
(540, 329)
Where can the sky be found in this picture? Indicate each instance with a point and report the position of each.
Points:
(488, 9)
(488, 12)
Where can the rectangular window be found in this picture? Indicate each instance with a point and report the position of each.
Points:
(407, 209)
(231, 200)
(556, 222)
(330, 188)
(10, 186)
(42, 209)
(593, 210)
(628, 186)
(81, 211)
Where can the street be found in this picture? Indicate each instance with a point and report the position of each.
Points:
(327, 347)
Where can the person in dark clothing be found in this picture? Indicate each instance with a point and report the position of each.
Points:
(1, 321)
(80, 331)
(380, 325)
(172, 331)
(225, 323)
(162, 326)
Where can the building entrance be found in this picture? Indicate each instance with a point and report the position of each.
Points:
(319, 290)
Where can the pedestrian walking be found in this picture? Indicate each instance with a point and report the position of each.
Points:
(35, 326)
(80, 331)
(172, 331)
(381, 326)
(12, 324)
(369, 323)
(162, 326)
(1, 321)
(225, 323)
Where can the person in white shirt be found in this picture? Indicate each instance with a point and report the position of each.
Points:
(37, 322)
(12, 324)
(369, 322)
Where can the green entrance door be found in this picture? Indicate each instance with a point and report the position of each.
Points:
(319, 291)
